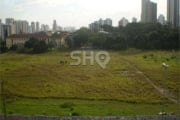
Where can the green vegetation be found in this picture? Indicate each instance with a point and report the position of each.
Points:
(3, 47)
(83, 107)
(35, 46)
(47, 84)
(135, 35)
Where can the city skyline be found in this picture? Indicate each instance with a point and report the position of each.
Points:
(75, 13)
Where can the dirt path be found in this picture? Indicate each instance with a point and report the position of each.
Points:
(162, 91)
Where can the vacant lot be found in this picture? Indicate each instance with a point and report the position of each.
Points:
(133, 83)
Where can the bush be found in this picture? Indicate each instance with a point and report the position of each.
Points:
(151, 55)
(31, 43)
(35, 46)
(173, 57)
(14, 47)
(40, 47)
(67, 105)
(3, 47)
(144, 56)
(75, 114)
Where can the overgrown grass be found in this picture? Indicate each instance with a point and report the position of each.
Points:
(54, 107)
(50, 75)
(151, 64)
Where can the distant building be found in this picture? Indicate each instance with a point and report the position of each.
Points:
(148, 12)
(29, 29)
(134, 20)
(144, 10)
(95, 26)
(21, 26)
(47, 27)
(101, 22)
(161, 19)
(108, 22)
(5, 31)
(179, 20)
(59, 28)
(59, 38)
(173, 12)
(20, 39)
(25, 26)
(98, 25)
(123, 22)
(18, 26)
(13, 29)
(37, 27)
(33, 26)
(54, 26)
(56, 39)
(44, 27)
(9, 21)
(69, 29)
(0, 30)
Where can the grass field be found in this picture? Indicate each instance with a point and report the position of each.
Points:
(41, 84)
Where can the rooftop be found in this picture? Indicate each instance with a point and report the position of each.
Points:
(30, 35)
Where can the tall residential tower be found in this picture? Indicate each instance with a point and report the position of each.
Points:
(54, 26)
(173, 12)
(148, 12)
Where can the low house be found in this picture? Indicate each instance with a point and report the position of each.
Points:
(59, 39)
(20, 39)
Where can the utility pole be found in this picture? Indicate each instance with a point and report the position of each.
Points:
(165, 67)
(3, 98)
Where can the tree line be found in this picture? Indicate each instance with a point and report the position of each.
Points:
(135, 35)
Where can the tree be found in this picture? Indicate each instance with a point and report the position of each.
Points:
(135, 35)
(31, 43)
(40, 47)
(3, 47)
(81, 37)
(35, 46)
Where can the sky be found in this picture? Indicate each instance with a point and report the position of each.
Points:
(77, 13)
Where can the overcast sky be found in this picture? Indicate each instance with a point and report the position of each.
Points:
(73, 12)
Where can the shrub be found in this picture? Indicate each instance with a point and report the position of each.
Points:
(144, 56)
(14, 47)
(173, 57)
(67, 105)
(10, 113)
(35, 46)
(40, 47)
(75, 114)
(151, 55)
(3, 47)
